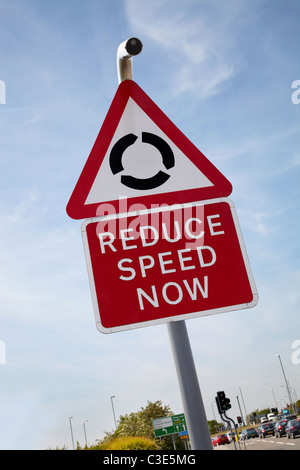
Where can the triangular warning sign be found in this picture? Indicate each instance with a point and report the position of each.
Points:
(141, 155)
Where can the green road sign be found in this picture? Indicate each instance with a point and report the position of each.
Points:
(169, 425)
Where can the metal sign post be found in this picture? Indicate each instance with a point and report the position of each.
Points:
(189, 387)
(126, 50)
(183, 357)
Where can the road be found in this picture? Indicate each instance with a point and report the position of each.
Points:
(269, 443)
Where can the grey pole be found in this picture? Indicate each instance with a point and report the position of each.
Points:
(112, 405)
(85, 431)
(286, 383)
(243, 404)
(71, 431)
(183, 357)
(126, 50)
(271, 389)
(240, 410)
(189, 387)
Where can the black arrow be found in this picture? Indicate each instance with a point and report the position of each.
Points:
(115, 159)
(116, 154)
(162, 146)
(145, 183)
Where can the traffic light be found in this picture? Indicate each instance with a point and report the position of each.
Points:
(221, 397)
(218, 405)
(223, 403)
(239, 419)
(227, 404)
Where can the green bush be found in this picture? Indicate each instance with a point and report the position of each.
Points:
(129, 443)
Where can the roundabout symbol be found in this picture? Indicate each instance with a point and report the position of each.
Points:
(115, 161)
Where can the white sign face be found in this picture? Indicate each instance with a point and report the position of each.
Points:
(143, 160)
(162, 423)
(139, 154)
(168, 264)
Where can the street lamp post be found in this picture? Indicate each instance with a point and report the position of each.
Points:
(85, 431)
(71, 431)
(240, 411)
(286, 382)
(112, 405)
(274, 398)
(243, 405)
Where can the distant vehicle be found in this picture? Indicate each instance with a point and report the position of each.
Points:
(220, 440)
(258, 429)
(230, 436)
(279, 428)
(292, 428)
(271, 417)
(266, 429)
(263, 419)
(289, 417)
(248, 433)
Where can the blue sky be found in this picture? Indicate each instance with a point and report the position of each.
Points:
(223, 73)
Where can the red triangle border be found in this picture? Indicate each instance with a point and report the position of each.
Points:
(76, 207)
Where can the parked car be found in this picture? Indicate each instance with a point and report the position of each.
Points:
(248, 433)
(230, 435)
(289, 417)
(292, 428)
(266, 429)
(220, 440)
(258, 429)
(279, 428)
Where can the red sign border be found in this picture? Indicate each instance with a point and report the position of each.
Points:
(163, 320)
(76, 207)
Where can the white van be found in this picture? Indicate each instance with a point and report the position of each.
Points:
(271, 417)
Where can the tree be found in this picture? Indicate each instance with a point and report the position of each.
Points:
(140, 424)
(264, 412)
(256, 415)
(214, 426)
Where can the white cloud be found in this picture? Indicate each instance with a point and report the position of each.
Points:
(26, 420)
(194, 38)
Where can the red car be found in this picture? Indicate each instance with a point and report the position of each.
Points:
(220, 440)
